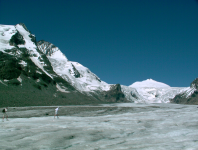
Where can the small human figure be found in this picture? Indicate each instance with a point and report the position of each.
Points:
(56, 112)
(4, 113)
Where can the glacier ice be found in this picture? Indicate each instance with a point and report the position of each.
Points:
(116, 126)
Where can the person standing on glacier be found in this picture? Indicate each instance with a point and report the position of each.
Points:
(56, 112)
(4, 113)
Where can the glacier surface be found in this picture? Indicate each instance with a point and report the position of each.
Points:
(116, 126)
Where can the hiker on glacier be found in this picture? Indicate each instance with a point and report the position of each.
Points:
(56, 112)
(4, 113)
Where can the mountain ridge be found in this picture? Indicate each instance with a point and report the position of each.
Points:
(41, 67)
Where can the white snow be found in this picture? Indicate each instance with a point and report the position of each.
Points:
(19, 79)
(3, 83)
(149, 83)
(58, 55)
(140, 127)
(151, 94)
(62, 89)
(28, 43)
(151, 91)
(23, 63)
(87, 80)
(6, 32)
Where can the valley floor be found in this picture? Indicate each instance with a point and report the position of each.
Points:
(102, 127)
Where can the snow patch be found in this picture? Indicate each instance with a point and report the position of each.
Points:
(61, 89)
(6, 32)
(3, 83)
(23, 63)
(38, 72)
(19, 79)
(58, 54)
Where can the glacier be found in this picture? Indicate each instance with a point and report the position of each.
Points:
(116, 126)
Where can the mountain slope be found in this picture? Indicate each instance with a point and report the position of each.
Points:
(188, 96)
(76, 74)
(26, 74)
(42, 75)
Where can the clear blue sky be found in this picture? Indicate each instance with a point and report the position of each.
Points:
(121, 41)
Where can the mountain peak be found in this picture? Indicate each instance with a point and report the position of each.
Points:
(50, 50)
(149, 83)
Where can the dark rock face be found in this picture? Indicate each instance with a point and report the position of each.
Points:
(134, 95)
(192, 99)
(24, 26)
(194, 83)
(115, 94)
(9, 67)
(33, 38)
(46, 47)
(76, 73)
(180, 99)
(16, 39)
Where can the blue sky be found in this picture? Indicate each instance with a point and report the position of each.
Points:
(121, 41)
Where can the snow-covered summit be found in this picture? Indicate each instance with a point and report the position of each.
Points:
(151, 91)
(8, 31)
(149, 83)
(73, 72)
(16, 37)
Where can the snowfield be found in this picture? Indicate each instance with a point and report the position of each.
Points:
(104, 127)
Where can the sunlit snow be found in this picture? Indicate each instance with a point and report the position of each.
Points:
(151, 94)
(28, 43)
(149, 83)
(6, 32)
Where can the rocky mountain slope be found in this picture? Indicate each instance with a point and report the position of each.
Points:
(76, 74)
(189, 96)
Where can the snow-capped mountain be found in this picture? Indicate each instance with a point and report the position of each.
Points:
(151, 91)
(26, 75)
(76, 74)
(16, 38)
(44, 75)
(149, 83)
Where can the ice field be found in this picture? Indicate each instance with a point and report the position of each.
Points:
(103, 127)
